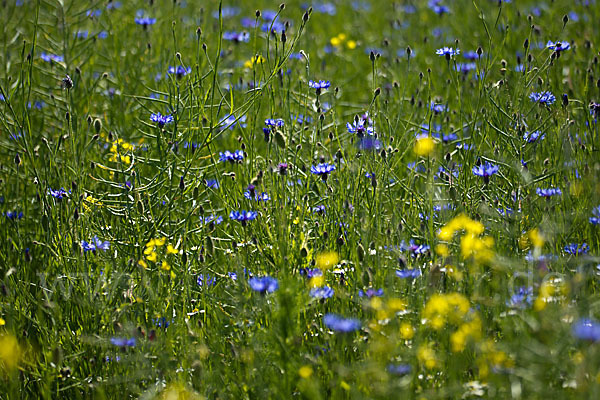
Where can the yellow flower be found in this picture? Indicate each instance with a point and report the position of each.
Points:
(171, 250)
(316, 281)
(327, 260)
(152, 257)
(407, 332)
(143, 263)
(253, 61)
(351, 44)
(442, 250)
(305, 371)
(2, 322)
(10, 352)
(424, 146)
(165, 266)
(426, 356)
(160, 242)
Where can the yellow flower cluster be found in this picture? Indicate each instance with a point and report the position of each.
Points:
(341, 39)
(472, 244)
(386, 309)
(10, 352)
(443, 308)
(550, 291)
(253, 61)
(492, 357)
(152, 250)
(118, 151)
(426, 356)
(470, 330)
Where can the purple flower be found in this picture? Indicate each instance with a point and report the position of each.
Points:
(123, 341)
(531, 137)
(179, 71)
(399, 369)
(448, 52)
(236, 156)
(311, 273)
(322, 170)
(161, 120)
(145, 21)
(408, 273)
(558, 46)
(548, 192)
(59, 193)
(263, 284)
(324, 292)
(522, 298)
(14, 215)
(211, 219)
(577, 249)
(319, 85)
(370, 292)
(243, 216)
(51, 57)
(587, 329)
(206, 280)
(360, 127)
(237, 37)
(543, 97)
(340, 324)
(595, 220)
(485, 170)
(278, 122)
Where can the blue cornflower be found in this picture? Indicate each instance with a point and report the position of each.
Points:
(558, 46)
(465, 68)
(520, 68)
(311, 273)
(160, 119)
(470, 55)
(587, 329)
(211, 219)
(145, 21)
(370, 292)
(101, 245)
(340, 324)
(408, 273)
(236, 156)
(325, 8)
(399, 369)
(258, 197)
(236, 37)
(179, 71)
(322, 170)
(548, 192)
(522, 298)
(230, 121)
(226, 12)
(319, 85)
(531, 137)
(14, 215)
(263, 284)
(206, 280)
(243, 216)
(543, 97)
(448, 52)
(51, 57)
(595, 220)
(123, 341)
(577, 249)
(368, 143)
(212, 183)
(278, 122)
(360, 127)
(485, 170)
(162, 322)
(59, 193)
(324, 292)
(93, 13)
(438, 108)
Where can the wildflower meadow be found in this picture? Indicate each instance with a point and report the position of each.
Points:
(339, 199)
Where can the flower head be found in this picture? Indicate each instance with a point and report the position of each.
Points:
(448, 52)
(577, 249)
(548, 192)
(340, 324)
(263, 284)
(243, 216)
(324, 292)
(323, 170)
(59, 193)
(543, 98)
(595, 219)
(145, 21)
(236, 156)
(485, 170)
(160, 119)
(319, 85)
(408, 273)
(587, 329)
(558, 46)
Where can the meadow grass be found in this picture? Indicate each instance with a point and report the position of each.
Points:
(345, 199)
